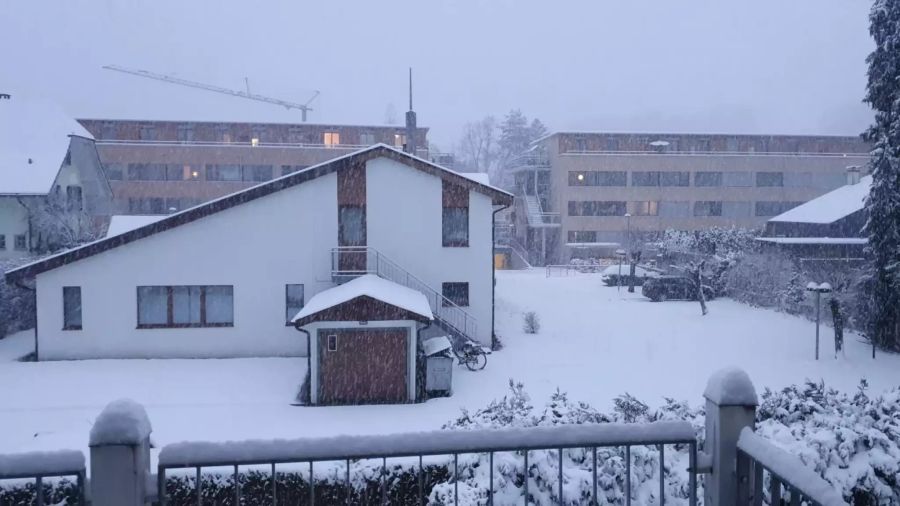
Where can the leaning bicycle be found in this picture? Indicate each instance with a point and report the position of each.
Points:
(471, 354)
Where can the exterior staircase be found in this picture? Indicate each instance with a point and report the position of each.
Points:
(350, 262)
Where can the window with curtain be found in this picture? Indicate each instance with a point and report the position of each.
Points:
(185, 306)
(71, 308)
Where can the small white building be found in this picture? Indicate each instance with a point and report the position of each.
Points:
(226, 278)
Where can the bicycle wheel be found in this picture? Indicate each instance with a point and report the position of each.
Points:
(477, 360)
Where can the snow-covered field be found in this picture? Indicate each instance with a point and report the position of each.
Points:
(594, 343)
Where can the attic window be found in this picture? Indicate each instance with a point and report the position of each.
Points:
(332, 342)
(332, 139)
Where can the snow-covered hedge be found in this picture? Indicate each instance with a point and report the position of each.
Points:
(17, 311)
(722, 242)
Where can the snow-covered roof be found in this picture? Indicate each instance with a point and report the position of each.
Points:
(372, 286)
(592, 245)
(34, 138)
(830, 207)
(121, 223)
(814, 240)
(478, 177)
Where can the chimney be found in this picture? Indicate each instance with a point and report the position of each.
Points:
(410, 146)
(853, 174)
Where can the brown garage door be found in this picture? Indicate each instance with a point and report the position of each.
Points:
(362, 366)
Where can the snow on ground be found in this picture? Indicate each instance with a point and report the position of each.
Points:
(15, 346)
(594, 342)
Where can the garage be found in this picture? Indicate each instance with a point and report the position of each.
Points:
(363, 337)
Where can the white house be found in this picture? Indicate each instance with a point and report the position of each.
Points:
(225, 279)
(45, 157)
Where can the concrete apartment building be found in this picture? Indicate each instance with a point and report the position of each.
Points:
(583, 194)
(160, 167)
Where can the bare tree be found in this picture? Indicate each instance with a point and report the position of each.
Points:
(478, 146)
(56, 225)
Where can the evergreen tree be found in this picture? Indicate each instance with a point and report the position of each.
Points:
(515, 135)
(883, 202)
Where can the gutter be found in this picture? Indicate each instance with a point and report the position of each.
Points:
(308, 362)
(494, 272)
(420, 385)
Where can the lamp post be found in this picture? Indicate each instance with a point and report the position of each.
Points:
(628, 232)
(621, 254)
(818, 289)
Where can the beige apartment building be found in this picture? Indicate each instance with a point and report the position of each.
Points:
(159, 167)
(588, 194)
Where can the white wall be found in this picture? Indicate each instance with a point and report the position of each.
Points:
(403, 218)
(13, 221)
(257, 247)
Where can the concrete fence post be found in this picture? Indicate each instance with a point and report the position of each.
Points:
(120, 455)
(730, 406)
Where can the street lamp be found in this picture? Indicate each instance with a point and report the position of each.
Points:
(621, 254)
(818, 289)
(628, 232)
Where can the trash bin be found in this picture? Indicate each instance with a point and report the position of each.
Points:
(438, 367)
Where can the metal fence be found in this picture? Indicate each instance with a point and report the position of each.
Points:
(40, 465)
(197, 456)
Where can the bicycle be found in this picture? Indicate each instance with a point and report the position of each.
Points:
(471, 354)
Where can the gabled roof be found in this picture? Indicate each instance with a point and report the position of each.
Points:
(830, 207)
(34, 139)
(498, 197)
(372, 286)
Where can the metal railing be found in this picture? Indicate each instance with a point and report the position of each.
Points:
(756, 456)
(40, 465)
(429, 444)
(348, 262)
(578, 152)
(422, 152)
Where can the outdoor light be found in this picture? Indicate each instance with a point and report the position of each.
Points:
(581, 177)
(818, 289)
(254, 141)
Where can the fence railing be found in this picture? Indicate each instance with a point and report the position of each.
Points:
(197, 456)
(40, 465)
(353, 261)
(756, 457)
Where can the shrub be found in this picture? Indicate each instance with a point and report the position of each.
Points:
(531, 323)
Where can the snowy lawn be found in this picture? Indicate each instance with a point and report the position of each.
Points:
(594, 343)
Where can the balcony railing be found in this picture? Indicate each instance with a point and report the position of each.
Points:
(422, 152)
(40, 465)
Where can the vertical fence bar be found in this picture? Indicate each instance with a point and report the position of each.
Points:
(662, 475)
(197, 486)
(312, 486)
(347, 483)
(594, 477)
(456, 479)
(560, 476)
(757, 484)
(795, 496)
(421, 483)
(491, 479)
(742, 468)
(383, 480)
(692, 475)
(161, 485)
(774, 490)
(527, 474)
(39, 490)
(628, 475)
(274, 486)
(237, 487)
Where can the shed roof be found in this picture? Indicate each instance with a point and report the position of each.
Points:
(34, 139)
(498, 197)
(371, 286)
(830, 207)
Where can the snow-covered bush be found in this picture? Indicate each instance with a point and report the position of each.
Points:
(17, 311)
(531, 324)
(722, 242)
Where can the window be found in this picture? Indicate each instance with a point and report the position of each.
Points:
(332, 139)
(674, 178)
(20, 243)
(707, 179)
(596, 208)
(367, 139)
(598, 178)
(115, 171)
(223, 172)
(737, 179)
(151, 205)
(798, 179)
(185, 306)
(455, 293)
(148, 133)
(146, 172)
(399, 140)
(774, 208)
(582, 236)
(351, 226)
(674, 209)
(331, 344)
(707, 208)
(289, 169)
(455, 216)
(736, 209)
(641, 178)
(74, 200)
(109, 130)
(71, 308)
(2, 242)
(645, 208)
(769, 179)
(293, 301)
(185, 133)
(257, 172)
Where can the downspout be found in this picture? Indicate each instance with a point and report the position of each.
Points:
(494, 271)
(308, 362)
(18, 283)
(420, 378)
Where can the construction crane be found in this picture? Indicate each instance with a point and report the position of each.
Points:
(304, 108)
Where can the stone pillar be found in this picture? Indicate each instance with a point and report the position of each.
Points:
(730, 406)
(120, 455)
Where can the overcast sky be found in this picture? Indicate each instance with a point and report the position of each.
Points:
(759, 66)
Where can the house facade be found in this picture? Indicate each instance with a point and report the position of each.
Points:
(590, 193)
(225, 278)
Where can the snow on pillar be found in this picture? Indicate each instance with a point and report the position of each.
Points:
(120, 455)
(730, 406)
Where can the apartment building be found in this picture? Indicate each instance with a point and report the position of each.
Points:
(588, 194)
(160, 167)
